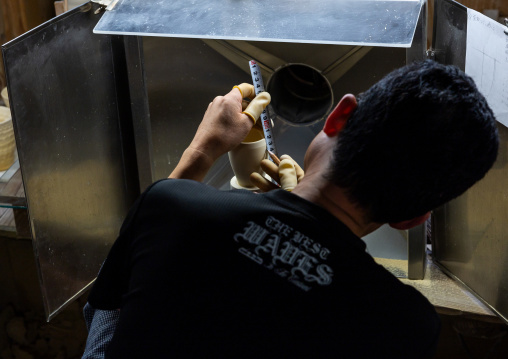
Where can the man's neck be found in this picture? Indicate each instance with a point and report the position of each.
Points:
(333, 199)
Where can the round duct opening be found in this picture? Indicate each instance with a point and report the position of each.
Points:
(301, 95)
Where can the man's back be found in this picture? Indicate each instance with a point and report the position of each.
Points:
(203, 273)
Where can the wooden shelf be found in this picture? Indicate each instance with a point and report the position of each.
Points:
(13, 209)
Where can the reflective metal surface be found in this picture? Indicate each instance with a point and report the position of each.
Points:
(418, 49)
(449, 33)
(416, 251)
(359, 22)
(184, 75)
(72, 126)
(470, 234)
(140, 111)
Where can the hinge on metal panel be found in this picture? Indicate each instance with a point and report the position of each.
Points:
(105, 5)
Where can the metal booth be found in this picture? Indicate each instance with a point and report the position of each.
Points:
(106, 97)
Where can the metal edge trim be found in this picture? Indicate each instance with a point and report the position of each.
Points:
(50, 316)
(469, 289)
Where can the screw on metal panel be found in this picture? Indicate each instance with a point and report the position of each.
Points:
(85, 7)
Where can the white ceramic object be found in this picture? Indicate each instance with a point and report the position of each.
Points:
(5, 96)
(246, 158)
(7, 142)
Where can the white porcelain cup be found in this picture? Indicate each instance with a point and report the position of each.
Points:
(246, 158)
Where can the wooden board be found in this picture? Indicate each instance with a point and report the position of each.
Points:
(61, 7)
(19, 16)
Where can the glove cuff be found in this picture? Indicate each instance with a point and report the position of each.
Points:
(246, 90)
(250, 116)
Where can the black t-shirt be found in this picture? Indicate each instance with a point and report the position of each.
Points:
(202, 273)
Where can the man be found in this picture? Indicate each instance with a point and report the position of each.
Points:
(198, 272)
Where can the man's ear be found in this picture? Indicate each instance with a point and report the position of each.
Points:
(340, 114)
(410, 223)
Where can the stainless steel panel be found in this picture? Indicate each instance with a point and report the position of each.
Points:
(408, 247)
(71, 116)
(417, 251)
(358, 22)
(184, 75)
(417, 237)
(470, 233)
(418, 49)
(449, 33)
(134, 61)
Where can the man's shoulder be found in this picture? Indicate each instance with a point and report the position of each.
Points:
(179, 188)
(188, 193)
(187, 185)
(169, 183)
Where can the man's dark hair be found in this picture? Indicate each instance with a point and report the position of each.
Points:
(420, 137)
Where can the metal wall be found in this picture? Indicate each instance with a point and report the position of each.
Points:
(184, 75)
(470, 233)
(73, 131)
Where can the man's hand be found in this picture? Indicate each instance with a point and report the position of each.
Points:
(224, 125)
(286, 172)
